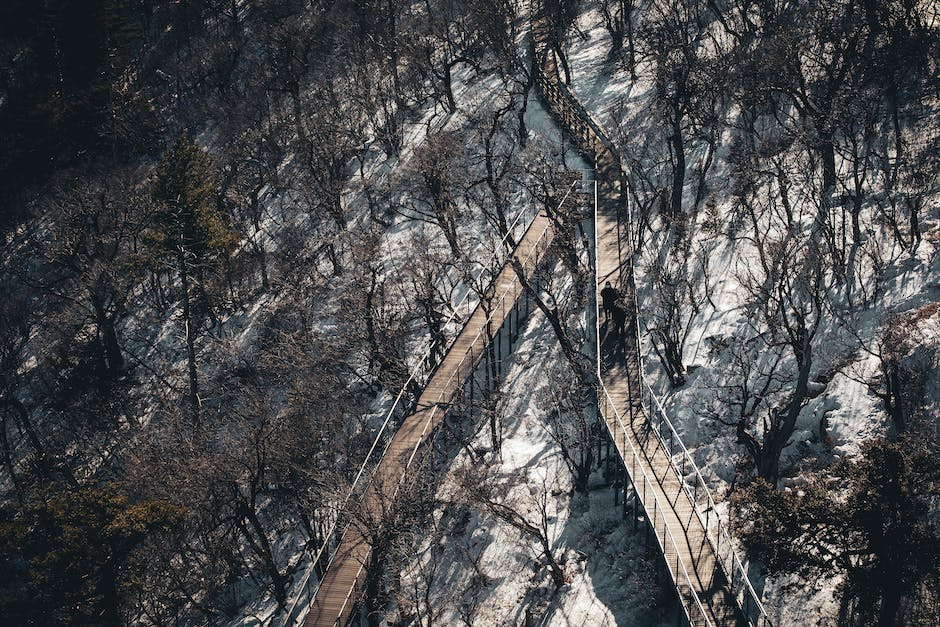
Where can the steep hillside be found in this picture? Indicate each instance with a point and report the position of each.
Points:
(234, 233)
(783, 197)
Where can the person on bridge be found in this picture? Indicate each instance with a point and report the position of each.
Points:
(619, 311)
(609, 296)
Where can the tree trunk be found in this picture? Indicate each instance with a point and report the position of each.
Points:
(27, 426)
(827, 154)
(448, 88)
(586, 376)
(8, 457)
(631, 48)
(892, 398)
(779, 435)
(678, 171)
(190, 340)
(583, 469)
(450, 233)
(558, 575)
(563, 61)
(890, 603)
(856, 225)
(499, 202)
(109, 341)
(278, 580)
(337, 179)
(914, 207)
(494, 432)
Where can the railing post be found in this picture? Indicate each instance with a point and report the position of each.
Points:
(584, 131)
(499, 354)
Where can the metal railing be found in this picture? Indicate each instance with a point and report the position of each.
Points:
(573, 114)
(399, 409)
(697, 490)
(645, 487)
(592, 139)
(691, 603)
(469, 360)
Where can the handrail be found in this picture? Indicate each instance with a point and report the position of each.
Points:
(732, 563)
(593, 135)
(606, 397)
(651, 516)
(619, 420)
(333, 528)
(586, 117)
(413, 375)
(457, 373)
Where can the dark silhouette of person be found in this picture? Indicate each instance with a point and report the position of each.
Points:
(609, 296)
(619, 311)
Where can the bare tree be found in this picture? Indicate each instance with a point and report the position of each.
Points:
(900, 348)
(500, 170)
(561, 15)
(671, 34)
(436, 182)
(432, 287)
(89, 249)
(531, 518)
(790, 296)
(619, 22)
(16, 329)
(573, 425)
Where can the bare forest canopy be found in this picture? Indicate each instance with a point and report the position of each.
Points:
(203, 318)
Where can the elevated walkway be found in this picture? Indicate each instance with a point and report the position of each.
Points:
(711, 582)
(336, 596)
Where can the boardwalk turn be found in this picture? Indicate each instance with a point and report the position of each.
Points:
(689, 536)
(689, 547)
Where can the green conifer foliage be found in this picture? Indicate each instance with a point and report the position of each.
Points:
(72, 548)
(186, 187)
(189, 226)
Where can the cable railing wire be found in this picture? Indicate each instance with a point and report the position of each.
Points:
(459, 374)
(691, 603)
(308, 588)
(577, 119)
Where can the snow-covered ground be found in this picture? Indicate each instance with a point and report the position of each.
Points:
(611, 580)
(495, 575)
(844, 413)
(472, 568)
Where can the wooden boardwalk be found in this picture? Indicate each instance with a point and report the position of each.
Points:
(682, 533)
(692, 550)
(341, 586)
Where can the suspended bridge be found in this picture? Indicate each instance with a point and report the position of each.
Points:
(711, 582)
(335, 596)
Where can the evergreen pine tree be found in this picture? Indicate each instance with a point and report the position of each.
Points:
(71, 548)
(191, 229)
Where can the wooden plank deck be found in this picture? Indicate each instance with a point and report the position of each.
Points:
(657, 484)
(699, 580)
(340, 588)
(681, 535)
